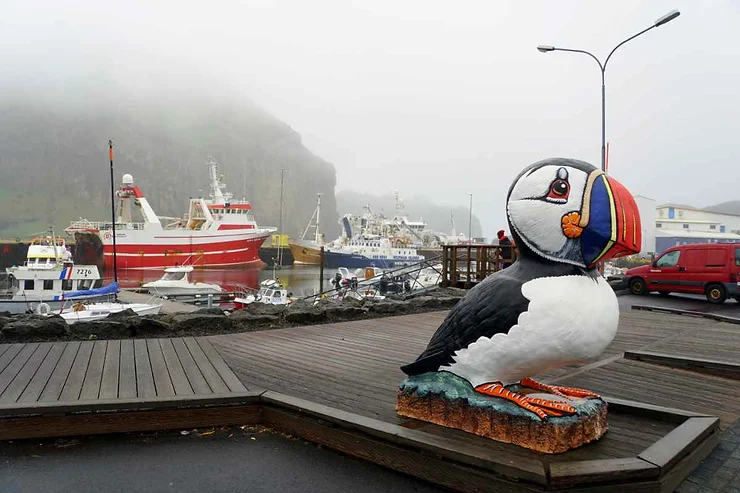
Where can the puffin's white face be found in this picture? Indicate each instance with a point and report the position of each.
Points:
(540, 199)
(569, 211)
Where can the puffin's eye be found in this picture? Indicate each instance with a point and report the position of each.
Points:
(559, 190)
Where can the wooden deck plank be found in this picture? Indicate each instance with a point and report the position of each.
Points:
(42, 376)
(16, 365)
(75, 379)
(94, 374)
(213, 379)
(144, 377)
(179, 380)
(59, 376)
(197, 382)
(9, 355)
(4, 347)
(162, 381)
(22, 379)
(127, 370)
(109, 383)
(231, 380)
(353, 380)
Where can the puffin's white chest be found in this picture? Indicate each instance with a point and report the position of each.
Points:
(570, 319)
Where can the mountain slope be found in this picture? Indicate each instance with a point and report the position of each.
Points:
(730, 207)
(54, 162)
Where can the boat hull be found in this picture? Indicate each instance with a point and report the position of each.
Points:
(335, 260)
(30, 306)
(202, 251)
(182, 290)
(305, 253)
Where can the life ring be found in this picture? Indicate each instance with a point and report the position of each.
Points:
(42, 309)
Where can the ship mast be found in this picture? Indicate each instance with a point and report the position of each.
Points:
(277, 263)
(318, 216)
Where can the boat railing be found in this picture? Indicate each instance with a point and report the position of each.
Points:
(393, 281)
(84, 224)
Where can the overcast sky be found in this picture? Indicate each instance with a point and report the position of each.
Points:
(435, 98)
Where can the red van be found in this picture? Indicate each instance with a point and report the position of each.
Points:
(711, 269)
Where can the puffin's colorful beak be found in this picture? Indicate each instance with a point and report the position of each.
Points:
(610, 220)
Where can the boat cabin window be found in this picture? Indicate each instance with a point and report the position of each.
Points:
(173, 276)
(84, 284)
(28, 285)
(66, 284)
(48, 284)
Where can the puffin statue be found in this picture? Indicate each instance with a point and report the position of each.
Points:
(552, 307)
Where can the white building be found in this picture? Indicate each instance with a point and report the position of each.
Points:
(677, 224)
(646, 206)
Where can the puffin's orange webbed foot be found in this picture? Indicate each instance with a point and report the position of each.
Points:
(541, 407)
(558, 389)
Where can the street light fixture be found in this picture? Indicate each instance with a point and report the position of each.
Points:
(546, 48)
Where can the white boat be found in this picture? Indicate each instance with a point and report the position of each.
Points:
(175, 282)
(48, 277)
(86, 312)
(271, 292)
(428, 277)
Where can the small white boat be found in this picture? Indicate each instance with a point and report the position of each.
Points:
(85, 312)
(175, 282)
(271, 292)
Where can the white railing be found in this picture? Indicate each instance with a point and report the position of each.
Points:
(101, 225)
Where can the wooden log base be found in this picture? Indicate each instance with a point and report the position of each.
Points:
(446, 399)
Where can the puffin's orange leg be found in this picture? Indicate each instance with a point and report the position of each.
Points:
(558, 389)
(541, 407)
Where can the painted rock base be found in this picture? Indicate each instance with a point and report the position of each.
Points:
(445, 399)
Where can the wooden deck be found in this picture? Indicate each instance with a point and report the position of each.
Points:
(336, 384)
(70, 372)
(354, 367)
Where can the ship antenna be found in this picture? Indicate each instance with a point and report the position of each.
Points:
(113, 214)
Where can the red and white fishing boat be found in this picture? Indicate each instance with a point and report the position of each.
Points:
(215, 232)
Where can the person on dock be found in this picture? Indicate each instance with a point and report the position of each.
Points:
(506, 243)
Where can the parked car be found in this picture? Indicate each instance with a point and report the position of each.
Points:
(711, 269)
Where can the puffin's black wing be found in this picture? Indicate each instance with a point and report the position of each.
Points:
(491, 307)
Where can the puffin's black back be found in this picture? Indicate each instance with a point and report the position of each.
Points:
(491, 307)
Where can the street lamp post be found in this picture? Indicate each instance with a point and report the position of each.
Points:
(545, 49)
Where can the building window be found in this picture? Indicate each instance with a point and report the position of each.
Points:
(28, 285)
(685, 226)
(48, 284)
(721, 229)
(658, 225)
(712, 226)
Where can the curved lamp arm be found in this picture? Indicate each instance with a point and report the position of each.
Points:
(623, 42)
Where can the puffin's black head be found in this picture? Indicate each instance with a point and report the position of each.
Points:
(568, 211)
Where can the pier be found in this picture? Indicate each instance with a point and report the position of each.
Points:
(335, 384)
(464, 266)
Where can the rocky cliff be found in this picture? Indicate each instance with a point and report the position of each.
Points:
(54, 162)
